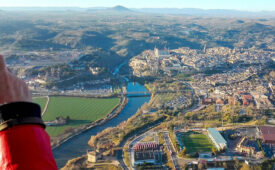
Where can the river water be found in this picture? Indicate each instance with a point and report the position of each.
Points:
(78, 145)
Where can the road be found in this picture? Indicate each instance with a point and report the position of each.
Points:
(121, 161)
(138, 139)
(171, 149)
(141, 133)
(191, 108)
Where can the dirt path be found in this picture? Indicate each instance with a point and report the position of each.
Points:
(46, 106)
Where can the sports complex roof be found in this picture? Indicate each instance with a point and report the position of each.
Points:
(216, 135)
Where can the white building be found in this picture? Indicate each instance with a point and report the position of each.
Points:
(161, 53)
(217, 139)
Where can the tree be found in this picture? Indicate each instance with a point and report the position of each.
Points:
(224, 165)
(68, 118)
(183, 152)
(184, 166)
(200, 166)
(237, 164)
(214, 150)
(245, 167)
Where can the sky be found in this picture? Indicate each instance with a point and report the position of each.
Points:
(247, 5)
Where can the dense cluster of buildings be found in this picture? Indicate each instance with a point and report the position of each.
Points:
(254, 142)
(186, 60)
(150, 63)
(181, 101)
(249, 92)
(233, 76)
(250, 148)
(234, 85)
(244, 99)
(148, 152)
(215, 57)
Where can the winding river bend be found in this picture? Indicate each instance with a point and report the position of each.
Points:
(78, 145)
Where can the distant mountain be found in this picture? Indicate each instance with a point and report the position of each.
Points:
(116, 9)
(120, 8)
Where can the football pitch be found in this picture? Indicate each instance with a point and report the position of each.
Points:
(196, 142)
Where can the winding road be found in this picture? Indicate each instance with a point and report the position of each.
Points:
(167, 140)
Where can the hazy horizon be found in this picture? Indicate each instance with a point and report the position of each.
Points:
(244, 5)
(105, 7)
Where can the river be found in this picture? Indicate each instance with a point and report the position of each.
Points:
(78, 145)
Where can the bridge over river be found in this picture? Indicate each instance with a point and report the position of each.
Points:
(147, 94)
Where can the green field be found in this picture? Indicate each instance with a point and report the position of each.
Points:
(80, 110)
(41, 101)
(196, 142)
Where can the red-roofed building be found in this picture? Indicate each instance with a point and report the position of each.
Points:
(247, 99)
(148, 152)
(208, 101)
(146, 146)
(232, 100)
(220, 101)
(268, 134)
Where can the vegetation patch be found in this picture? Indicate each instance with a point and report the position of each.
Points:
(149, 138)
(186, 77)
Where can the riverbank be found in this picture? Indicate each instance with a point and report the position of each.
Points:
(77, 146)
(83, 163)
(59, 140)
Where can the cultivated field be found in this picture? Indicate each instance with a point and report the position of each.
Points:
(196, 142)
(41, 101)
(80, 110)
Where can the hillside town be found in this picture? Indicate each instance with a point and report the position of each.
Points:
(231, 84)
(186, 60)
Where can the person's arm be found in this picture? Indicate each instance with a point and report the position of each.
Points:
(24, 144)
